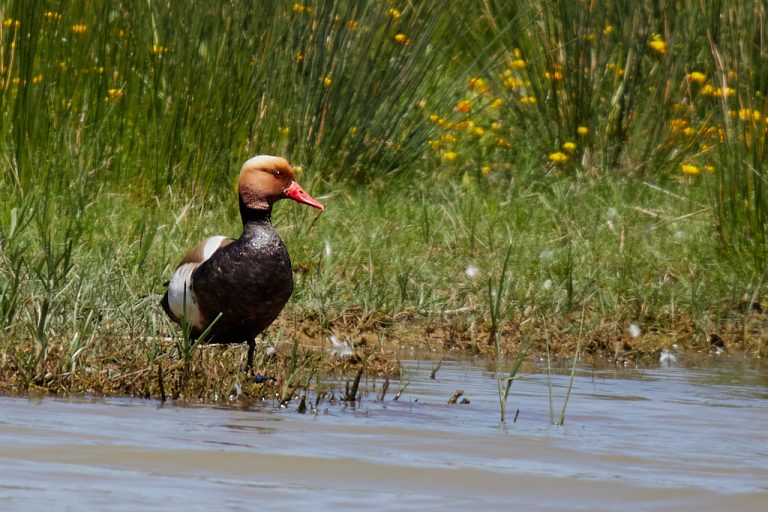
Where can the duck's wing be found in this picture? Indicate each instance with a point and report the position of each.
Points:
(205, 249)
(179, 300)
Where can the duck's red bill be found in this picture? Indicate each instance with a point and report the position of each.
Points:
(297, 193)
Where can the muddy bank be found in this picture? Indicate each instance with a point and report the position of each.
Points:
(298, 355)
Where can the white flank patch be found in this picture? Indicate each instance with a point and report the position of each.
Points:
(212, 245)
(180, 294)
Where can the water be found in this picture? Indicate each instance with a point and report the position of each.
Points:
(670, 438)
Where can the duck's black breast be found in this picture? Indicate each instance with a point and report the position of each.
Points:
(248, 282)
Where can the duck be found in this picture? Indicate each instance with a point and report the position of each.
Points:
(235, 288)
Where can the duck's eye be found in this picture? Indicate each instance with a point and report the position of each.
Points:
(277, 173)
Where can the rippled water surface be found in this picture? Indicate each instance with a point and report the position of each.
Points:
(669, 438)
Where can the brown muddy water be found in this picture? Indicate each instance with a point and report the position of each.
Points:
(665, 438)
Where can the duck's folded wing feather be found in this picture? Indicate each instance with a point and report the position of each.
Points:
(205, 249)
(179, 300)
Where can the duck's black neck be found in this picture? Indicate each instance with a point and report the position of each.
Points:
(249, 215)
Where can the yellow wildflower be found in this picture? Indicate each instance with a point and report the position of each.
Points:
(113, 94)
(555, 75)
(477, 83)
(558, 158)
(353, 24)
(495, 126)
(434, 118)
(608, 30)
(657, 44)
(353, 130)
(486, 169)
(10, 22)
(708, 89)
(479, 131)
(327, 81)
(678, 124)
(513, 82)
(690, 169)
(159, 49)
(518, 64)
(528, 100)
(709, 168)
(464, 106)
(583, 131)
(79, 28)
(51, 16)
(698, 77)
(569, 146)
(450, 156)
(37, 79)
(393, 13)
(747, 114)
(502, 142)
(689, 131)
(299, 57)
(449, 138)
(498, 102)
(297, 7)
(435, 144)
(401, 38)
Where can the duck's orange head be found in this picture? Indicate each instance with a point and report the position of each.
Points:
(265, 179)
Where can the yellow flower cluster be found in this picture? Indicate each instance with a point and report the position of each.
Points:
(114, 94)
(658, 44)
(558, 158)
(479, 85)
(691, 133)
(556, 74)
(402, 39)
(464, 106)
(711, 90)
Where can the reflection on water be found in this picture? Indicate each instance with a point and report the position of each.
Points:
(668, 438)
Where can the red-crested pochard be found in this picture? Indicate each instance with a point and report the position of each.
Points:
(246, 280)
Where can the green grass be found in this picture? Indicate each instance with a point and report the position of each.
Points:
(123, 125)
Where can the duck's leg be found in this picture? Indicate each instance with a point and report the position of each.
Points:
(249, 359)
